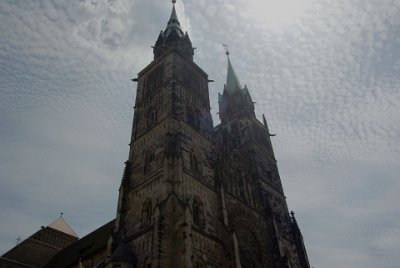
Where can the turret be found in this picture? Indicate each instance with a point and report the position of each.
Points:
(173, 39)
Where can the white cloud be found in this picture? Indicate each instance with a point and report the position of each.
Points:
(325, 73)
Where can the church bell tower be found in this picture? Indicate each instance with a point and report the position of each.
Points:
(193, 195)
(168, 212)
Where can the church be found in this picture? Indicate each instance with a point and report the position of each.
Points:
(192, 194)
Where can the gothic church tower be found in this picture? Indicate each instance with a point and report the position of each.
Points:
(255, 208)
(168, 211)
(193, 195)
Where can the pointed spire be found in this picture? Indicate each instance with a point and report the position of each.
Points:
(173, 36)
(173, 26)
(173, 18)
(232, 81)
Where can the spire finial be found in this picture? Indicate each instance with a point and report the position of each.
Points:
(173, 18)
(226, 49)
(61, 214)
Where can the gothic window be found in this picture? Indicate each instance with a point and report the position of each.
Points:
(194, 164)
(191, 80)
(193, 118)
(155, 79)
(146, 212)
(151, 117)
(149, 158)
(198, 217)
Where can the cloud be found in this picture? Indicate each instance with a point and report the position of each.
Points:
(325, 73)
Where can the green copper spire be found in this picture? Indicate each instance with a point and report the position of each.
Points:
(232, 81)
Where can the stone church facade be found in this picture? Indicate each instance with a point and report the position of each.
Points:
(194, 195)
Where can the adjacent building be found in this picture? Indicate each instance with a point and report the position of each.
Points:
(39, 248)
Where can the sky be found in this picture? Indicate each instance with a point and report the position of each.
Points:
(326, 74)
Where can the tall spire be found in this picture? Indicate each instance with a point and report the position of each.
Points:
(173, 17)
(173, 26)
(232, 81)
(173, 38)
(235, 98)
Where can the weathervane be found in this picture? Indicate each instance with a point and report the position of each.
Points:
(226, 49)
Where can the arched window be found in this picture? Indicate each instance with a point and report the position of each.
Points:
(198, 217)
(151, 117)
(194, 164)
(148, 159)
(146, 212)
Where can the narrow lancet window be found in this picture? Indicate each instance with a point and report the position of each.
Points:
(198, 217)
(146, 212)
